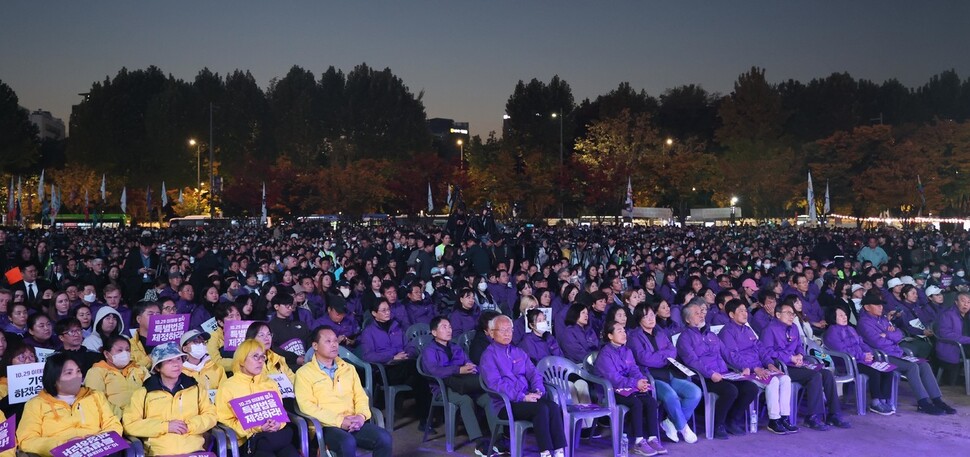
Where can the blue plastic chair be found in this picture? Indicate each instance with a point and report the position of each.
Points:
(517, 428)
(465, 340)
(415, 332)
(303, 431)
(556, 372)
(617, 422)
(439, 397)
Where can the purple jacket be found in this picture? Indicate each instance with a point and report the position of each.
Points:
(504, 296)
(198, 314)
(616, 364)
(576, 342)
(909, 311)
(668, 292)
(519, 329)
(421, 312)
(435, 360)
(950, 326)
(540, 348)
(347, 327)
(462, 321)
(644, 352)
(875, 332)
(741, 347)
(701, 351)
(507, 369)
(673, 325)
(811, 308)
(379, 346)
(844, 338)
(759, 320)
(353, 304)
(715, 316)
(597, 320)
(781, 341)
(399, 312)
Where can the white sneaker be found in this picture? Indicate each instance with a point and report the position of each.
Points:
(670, 430)
(689, 436)
(559, 452)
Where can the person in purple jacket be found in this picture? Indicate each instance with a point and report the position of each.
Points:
(399, 312)
(717, 315)
(539, 342)
(782, 341)
(419, 309)
(953, 325)
(651, 347)
(810, 305)
(526, 303)
(383, 341)
(908, 310)
(464, 317)
(699, 348)
(446, 360)
(743, 352)
(507, 369)
(668, 318)
(843, 338)
(880, 334)
(339, 319)
(761, 316)
(615, 363)
(576, 338)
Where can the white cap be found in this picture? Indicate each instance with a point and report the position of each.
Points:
(894, 282)
(933, 290)
(856, 287)
(908, 280)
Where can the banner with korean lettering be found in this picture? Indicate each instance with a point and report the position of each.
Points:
(295, 346)
(235, 333)
(254, 410)
(98, 445)
(8, 433)
(166, 328)
(24, 381)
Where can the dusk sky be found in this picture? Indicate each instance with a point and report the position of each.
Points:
(468, 55)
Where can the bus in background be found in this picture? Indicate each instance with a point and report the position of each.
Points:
(201, 221)
(81, 221)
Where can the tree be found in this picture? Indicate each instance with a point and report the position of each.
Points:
(752, 113)
(844, 157)
(383, 118)
(294, 106)
(18, 136)
(530, 108)
(687, 112)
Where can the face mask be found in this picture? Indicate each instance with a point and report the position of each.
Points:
(961, 273)
(70, 387)
(345, 292)
(482, 286)
(542, 327)
(198, 351)
(926, 271)
(90, 298)
(121, 359)
(429, 288)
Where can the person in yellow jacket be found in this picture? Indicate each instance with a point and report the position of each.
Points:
(63, 411)
(223, 312)
(249, 377)
(117, 376)
(139, 343)
(198, 364)
(329, 389)
(171, 412)
(275, 363)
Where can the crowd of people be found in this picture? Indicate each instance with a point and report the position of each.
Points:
(655, 311)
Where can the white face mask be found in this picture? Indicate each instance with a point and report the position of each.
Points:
(345, 291)
(858, 303)
(961, 273)
(121, 359)
(90, 298)
(429, 288)
(542, 327)
(482, 286)
(198, 351)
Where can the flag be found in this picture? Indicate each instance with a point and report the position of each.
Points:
(922, 192)
(55, 203)
(87, 213)
(430, 201)
(19, 196)
(10, 212)
(448, 200)
(262, 218)
(827, 208)
(40, 188)
(103, 197)
(148, 200)
(629, 195)
(812, 217)
(124, 200)
(181, 200)
(164, 195)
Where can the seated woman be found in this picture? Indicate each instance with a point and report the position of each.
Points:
(40, 332)
(879, 333)
(577, 338)
(383, 341)
(16, 354)
(782, 341)
(275, 363)
(464, 317)
(172, 411)
(17, 315)
(651, 347)
(844, 338)
(197, 363)
(507, 369)
(700, 349)
(743, 352)
(615, 363)
(117, 376)
(107, 323)
(249, 377)
(526, 302)
(539, 342)
(952, 326)
(667, 318)
(446, 360)
(63, 410)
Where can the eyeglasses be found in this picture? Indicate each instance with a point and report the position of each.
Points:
(26, 357)
(73, 332)
(264, 335)
(258, 357)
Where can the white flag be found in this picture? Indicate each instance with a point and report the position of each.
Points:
(124, 200)
(430, 201)
(262, 219)
(40, 187)
(164, 196)
(181, 200)
(812, 217)
(448, 201)
(827, 208)
(103, 194)
(629, 194)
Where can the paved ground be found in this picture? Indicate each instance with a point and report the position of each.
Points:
(906, 433)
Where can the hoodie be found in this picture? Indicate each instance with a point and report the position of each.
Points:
(93, 341)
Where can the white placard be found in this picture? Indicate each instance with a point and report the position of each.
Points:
(286, 387)
(210, 325)
(25, 381)
(683, 368)
(43, 354)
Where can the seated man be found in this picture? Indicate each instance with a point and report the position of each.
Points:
(341, 405)
(953, 326)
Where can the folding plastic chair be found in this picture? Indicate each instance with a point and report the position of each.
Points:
(390, 391)
(414, 334)
(517, 428)
(617, 422)
(439, 397)
(964, 361)
(556, 372)
(232, 441)
(465, 340)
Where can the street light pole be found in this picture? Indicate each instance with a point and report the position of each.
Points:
(561, 162)
(461, 158)
(198, 161)
(212, 182)
(734, 202)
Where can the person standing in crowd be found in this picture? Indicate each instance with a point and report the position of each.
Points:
(139, 270)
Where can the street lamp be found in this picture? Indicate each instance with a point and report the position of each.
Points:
(461, 146)
(670, 141)
(561, 163)
(734, 202)
(198, 160)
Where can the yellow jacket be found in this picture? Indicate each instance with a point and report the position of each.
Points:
(4, 387)
(275, 363)
(210, 377)
(330, 400)
(49, 422)
(240, 385)
(117, 385)
(139, 354)
(153, 406)
(216, 341)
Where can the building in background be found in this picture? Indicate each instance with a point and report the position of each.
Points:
(446, 133)
(50, 127)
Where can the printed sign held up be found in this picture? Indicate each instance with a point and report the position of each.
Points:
(235, 333)
(98, 445)
(254, 410)
(166, 328)
(25, 381)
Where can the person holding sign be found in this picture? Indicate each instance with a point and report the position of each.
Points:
(843, 338)
(17, 354)
(172, 411)
(197, 362)
(879, 333)
(224, 312)
(743, 352)
(329, 389)
(117, 376)
(139, 343)
(63, 411)
(272, 438)
(289, 333)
